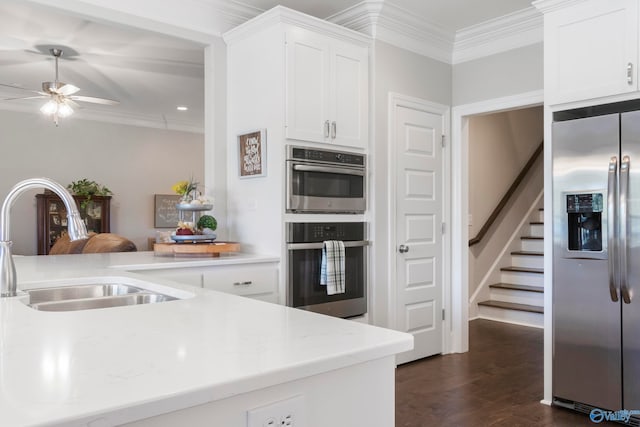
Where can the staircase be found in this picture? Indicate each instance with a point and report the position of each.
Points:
(519, 297)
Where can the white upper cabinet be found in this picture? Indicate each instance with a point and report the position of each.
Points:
(326, 89)
(591, 49)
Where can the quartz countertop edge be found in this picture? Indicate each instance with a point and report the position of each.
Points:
(124, 364)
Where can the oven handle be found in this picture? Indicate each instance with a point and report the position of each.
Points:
(318, 245)
(326, 169)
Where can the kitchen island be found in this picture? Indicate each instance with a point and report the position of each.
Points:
(207, 358)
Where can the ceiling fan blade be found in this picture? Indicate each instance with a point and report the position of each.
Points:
(20, 88)
(27, 97)
(71, 103)
(68, 89)
(94, 100)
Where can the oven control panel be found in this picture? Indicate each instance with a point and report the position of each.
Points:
(307, 232)
(326, 156)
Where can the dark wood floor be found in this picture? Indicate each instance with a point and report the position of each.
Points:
(499, 382)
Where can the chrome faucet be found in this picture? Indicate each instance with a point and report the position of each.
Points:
(76, 227)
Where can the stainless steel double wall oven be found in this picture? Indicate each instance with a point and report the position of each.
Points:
(326, 182)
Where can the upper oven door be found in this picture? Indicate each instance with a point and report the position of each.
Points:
(324, 188)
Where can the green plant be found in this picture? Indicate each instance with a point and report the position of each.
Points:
(86, 188)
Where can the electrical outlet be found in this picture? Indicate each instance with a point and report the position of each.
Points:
(285, 413)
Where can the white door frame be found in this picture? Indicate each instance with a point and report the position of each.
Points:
(399, 100)
(459, 273)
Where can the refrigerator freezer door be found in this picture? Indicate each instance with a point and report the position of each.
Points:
(630, 136)
(586, 322)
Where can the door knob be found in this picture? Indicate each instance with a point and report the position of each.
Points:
(403, 249)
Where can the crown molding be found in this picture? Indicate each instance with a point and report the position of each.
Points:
(284, 15)
(392, 24)
(121, 118)
(511, 31)
(546, 6)
(389, 23)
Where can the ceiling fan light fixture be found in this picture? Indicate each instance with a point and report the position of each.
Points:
(64, 110)
(49, 108)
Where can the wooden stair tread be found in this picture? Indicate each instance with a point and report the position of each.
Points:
(527, 253)
(516, 287)
(513, 306)
(523, 270)
(536, 223)
(531, 238)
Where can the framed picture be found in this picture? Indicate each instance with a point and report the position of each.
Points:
(166, 214)
(253, 154)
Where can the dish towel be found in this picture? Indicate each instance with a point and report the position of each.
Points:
(332, 266)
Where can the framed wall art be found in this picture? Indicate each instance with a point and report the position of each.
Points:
(252, 157)
(166, 214)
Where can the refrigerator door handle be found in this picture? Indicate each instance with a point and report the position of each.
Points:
(611, 227)
(624, 215)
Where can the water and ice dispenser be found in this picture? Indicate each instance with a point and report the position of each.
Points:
(584, 220)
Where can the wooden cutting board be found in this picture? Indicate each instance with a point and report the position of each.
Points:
(195, 249)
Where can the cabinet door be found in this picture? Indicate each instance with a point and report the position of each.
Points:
(259, 282)
(349, 98)
(307, 104)
(592, 50)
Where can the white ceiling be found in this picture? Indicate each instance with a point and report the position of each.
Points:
(150, 74)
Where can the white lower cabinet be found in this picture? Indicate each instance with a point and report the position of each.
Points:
(255, 281)
(258, 281)
(186, 276)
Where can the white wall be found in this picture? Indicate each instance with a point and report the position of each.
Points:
(134, 162)
(511, 72)
(401, 71)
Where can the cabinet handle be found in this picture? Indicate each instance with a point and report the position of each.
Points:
(247, 283)
(333, 130)
(326, 129)
(630, 73)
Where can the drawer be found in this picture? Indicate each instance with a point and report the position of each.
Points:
(254, 281)
(186, 276)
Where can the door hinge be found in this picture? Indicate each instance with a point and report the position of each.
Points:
(443, 314)
(444, 141)
(444, 228)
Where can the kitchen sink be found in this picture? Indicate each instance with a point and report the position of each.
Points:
(63, 293)
(91, 296)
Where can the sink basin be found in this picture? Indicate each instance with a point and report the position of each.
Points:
(102, 302)
(64, 293)
(90, 296)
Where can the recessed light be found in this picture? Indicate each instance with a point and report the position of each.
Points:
(182, 108)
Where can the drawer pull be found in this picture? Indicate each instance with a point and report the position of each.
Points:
(247, 283)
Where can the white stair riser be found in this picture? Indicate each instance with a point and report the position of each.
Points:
(528, 261)
(536, 230)
(540, 216)
(532, 245)
(526, 318)
(517, 296)
(522, 278)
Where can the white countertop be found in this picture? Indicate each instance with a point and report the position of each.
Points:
(121, 364)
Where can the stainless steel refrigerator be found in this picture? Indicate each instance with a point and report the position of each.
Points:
(596, 259)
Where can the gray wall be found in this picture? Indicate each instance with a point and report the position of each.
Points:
(401, 71)
(134, 162)
(507, 73)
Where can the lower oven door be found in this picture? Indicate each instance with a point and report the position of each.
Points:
(303, 280)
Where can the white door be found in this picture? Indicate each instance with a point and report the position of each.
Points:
(418, 230)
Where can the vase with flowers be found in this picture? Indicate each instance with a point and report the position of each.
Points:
(186, 189)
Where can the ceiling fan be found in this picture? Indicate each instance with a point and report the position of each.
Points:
(61, 96)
